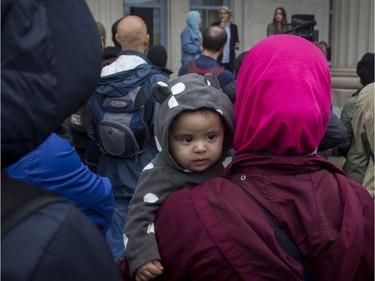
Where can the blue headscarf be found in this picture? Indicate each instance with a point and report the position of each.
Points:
(192, 20)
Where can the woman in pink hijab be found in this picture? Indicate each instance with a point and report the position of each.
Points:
(217, 231)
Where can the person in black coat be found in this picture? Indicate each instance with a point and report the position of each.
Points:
(42, 83)
(158, 56)
(233, 43)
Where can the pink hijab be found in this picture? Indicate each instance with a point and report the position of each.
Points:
(283, 97)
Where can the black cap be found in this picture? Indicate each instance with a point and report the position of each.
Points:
(365, 69)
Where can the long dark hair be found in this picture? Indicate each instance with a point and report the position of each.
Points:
(284, 21)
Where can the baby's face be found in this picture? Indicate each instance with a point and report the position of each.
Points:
(196, 139)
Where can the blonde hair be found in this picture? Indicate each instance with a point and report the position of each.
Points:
(225, 8)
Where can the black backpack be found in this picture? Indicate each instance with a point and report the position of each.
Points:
(122, 122)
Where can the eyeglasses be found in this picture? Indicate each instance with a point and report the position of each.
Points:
(223, 13)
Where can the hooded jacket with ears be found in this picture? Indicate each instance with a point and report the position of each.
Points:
(281, 113)
(163, 175)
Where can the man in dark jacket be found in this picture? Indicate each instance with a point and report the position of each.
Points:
(356, 163)
(213, 43)
(42, 83)
(335, 134)
(131, 69)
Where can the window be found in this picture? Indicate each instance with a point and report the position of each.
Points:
(208, 10)
(153, 12)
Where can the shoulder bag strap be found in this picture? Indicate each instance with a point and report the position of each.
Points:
(19, 200)
(282, 237)
(218, 234)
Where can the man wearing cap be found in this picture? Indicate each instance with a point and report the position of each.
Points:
(157, 54)
(356, 163)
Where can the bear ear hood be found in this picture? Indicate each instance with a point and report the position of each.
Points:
(189, 92)
(50, 65)
(211, 80)
(160, 91)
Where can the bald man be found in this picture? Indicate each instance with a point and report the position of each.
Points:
(131, 69)
(132, 34)
(213, 43)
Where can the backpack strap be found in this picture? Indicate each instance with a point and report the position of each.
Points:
(220, 237)
(19, 200)
(281, 236)
(193, 68)
(216, 70)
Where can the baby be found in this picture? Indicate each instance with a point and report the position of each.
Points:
(194, 128)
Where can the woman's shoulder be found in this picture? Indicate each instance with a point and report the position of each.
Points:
(270, 26)
(187, 29)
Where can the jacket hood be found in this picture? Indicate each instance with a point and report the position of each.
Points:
(283, 97)
(45, 74)
(192, 20)
(130, 70)
(189, 92)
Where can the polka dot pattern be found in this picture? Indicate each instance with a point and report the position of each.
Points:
(150, 198)
(158, 146)
(178, 88)
(151, 228)
(125, 240)
(220, 112)
(149, 166)
(172, 102)
(163, 84)
(227, 161)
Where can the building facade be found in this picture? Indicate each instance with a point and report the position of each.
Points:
(346, 25)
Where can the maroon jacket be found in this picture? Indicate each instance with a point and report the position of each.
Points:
(215, 232)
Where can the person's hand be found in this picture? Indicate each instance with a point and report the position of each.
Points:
(223, 23)
(149, 271)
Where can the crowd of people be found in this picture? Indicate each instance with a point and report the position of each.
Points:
(135, 175)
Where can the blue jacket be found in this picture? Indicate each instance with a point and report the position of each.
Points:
(55, 166)
(190, 45)
(131, 69)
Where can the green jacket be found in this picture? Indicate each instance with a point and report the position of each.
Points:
(363, 129)
(355, 163)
